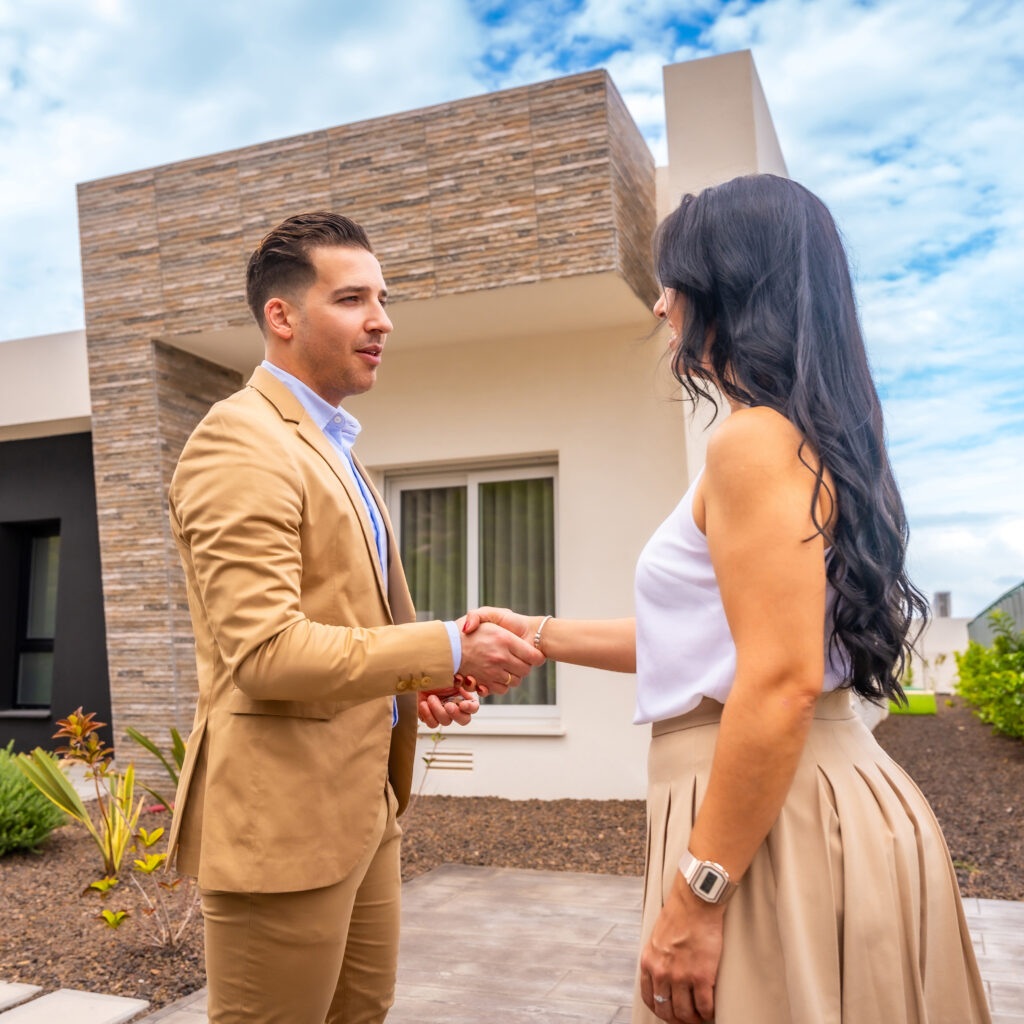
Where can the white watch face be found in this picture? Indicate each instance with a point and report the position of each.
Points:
(708, 884)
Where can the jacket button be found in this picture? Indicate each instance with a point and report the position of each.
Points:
(402, 685)
(427, 683)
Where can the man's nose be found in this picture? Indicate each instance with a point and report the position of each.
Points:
(380, 321)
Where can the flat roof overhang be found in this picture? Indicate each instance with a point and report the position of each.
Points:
(487, 316)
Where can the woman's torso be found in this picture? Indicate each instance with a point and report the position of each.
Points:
(684, 649)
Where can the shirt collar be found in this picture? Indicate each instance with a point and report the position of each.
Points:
(330, 419)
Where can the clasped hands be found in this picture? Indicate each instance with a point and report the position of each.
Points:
(497, 652)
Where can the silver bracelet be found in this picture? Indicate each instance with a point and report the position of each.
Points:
(540, 628)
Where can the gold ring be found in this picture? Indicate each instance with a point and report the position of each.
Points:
(508, 682)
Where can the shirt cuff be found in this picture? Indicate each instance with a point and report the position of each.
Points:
(456, 641)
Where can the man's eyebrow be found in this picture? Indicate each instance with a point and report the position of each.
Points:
(357, 289)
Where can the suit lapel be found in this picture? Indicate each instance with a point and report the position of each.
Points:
(399, 598)
(291, 409)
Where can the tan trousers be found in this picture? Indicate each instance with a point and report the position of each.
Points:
(322, 955)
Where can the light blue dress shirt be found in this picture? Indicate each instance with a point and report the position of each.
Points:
(341, 429)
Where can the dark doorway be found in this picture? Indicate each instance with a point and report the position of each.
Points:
(53, 654)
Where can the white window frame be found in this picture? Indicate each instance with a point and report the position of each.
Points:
(536, 717)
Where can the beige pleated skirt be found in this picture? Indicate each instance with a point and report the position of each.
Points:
(850, 911)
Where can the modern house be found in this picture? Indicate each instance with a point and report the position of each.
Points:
(524, 430)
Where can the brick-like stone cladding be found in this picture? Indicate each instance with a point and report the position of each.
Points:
(632, 169)
(530, 184)
(150, 398)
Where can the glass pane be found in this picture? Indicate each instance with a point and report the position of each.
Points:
(517, 564)
(434, 550)
(42, 588)
(35, 678)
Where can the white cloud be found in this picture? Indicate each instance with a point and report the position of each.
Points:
(633, 21)
(91, 91)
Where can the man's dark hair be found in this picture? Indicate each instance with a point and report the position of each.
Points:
(281, 263)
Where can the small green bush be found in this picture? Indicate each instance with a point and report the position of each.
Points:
(26, 816)
(992, 678)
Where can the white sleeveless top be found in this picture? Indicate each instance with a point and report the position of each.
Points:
(684, 649)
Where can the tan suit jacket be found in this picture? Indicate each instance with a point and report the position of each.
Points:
(299, 650)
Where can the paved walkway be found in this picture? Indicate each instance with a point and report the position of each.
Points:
(556, 947)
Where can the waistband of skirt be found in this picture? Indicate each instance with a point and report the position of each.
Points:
(834, 705)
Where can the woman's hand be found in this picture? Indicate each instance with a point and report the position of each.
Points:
(524, 626)
(608, 644)
(680, 961)
(456, 703)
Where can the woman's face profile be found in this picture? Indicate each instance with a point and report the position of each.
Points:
(669, 307)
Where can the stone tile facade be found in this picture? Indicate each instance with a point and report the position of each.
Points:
(530, 184)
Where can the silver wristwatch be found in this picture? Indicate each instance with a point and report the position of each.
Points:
(708, 880)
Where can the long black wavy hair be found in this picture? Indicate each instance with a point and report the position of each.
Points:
(770, 319)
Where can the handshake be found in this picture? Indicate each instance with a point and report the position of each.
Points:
(497, 651)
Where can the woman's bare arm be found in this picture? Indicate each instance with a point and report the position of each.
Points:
(757, 500)
(608, 644)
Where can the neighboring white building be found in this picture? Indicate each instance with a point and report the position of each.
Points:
(934, 664)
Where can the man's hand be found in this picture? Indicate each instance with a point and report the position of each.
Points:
(456, 703)
(496, 657)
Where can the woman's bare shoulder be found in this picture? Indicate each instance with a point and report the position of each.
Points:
(754, 437)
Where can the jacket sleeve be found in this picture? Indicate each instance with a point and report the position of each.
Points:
(237, 501)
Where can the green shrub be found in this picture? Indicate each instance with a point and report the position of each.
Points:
(26, 816)
(992, 678)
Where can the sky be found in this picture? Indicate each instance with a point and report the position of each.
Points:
(905, 116)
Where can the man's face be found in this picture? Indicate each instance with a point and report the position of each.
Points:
(341, 324)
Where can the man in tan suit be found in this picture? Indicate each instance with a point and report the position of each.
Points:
(300, 759)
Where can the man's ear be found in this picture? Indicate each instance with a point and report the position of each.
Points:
(280, 315)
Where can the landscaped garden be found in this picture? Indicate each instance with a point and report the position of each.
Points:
(51, 936)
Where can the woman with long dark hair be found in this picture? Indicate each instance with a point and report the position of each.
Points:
(795, 874)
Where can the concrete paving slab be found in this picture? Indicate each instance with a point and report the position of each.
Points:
(190, 1009)
(595, 985)
(68, 1004)
(185, 1016)
(509, 979)
(624, 937)
(994, 969)
(561, 948)
(1001, 910)
(435, 1006)
(14, 992)
(1007, 996)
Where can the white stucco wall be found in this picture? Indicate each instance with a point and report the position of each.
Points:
(602, 404)
(44, 386)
